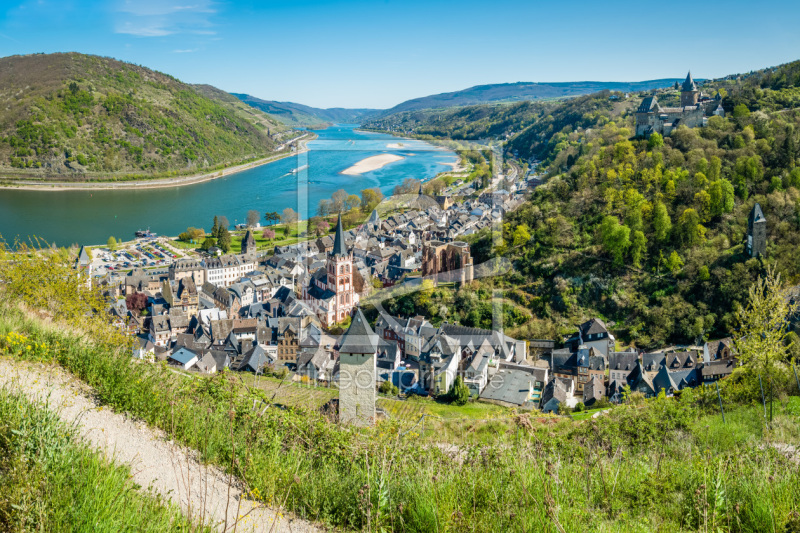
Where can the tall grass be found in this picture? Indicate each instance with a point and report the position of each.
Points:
(666, 465)
(50, 480)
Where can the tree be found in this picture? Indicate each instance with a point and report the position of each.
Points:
(655, 141)
(215, 227)
(324, 208)
(136, 302)
(638, 248)
(289, 216)
(674, 263)
(692, 232)
(268, 234)
(615, 238)
(761, 338)
(662, 224)
(252, 218)
(721, 197)
(192, 234)
(352, 202)
(272, 217)
(223, 222)
(521, 235)
(224, 240)
(370, 198)
(338, 202)
(209, 243)
(714, 168)
(409, 186)
(458, 393)
(741, 111)
(111, 243)
(746, 172)
(318, 226)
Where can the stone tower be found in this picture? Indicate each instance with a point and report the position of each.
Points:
(340, 276)
(756, 232)
(249, 245)
(689, 92)
(358, 352)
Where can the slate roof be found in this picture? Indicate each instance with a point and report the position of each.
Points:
(206, 362)
(756, 215)
(663, 380)
(554, 390)
(359, 337)
(718, 368)
(622, 361)
(183, 355)
(689, 84)
(254, 360)
(592, 327)
(222, 358)
(339, 246)
(159, 323)
(648, 105)
(83, 258)
(186, 286)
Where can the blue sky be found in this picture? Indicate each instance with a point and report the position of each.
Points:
(381, 52)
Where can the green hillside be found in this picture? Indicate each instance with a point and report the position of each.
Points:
(293, 114)
(646, 233)
(79, 116)
(463, 123)
(650, 233)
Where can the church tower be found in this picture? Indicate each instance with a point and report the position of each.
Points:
(340, 276)
(756, 232)
(689, 93)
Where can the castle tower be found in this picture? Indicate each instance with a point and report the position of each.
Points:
(358, 352)
(689, 92)
(756, 232)
(340, 276)
(249, 245)
(84, 265)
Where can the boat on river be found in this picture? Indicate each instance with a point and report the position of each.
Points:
(299, 169)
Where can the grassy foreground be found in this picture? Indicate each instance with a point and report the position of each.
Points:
(662, 465)
(50, 480)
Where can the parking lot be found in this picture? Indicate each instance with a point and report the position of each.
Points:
(140, 253)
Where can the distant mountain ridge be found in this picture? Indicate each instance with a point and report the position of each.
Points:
(505, 92)
(293, 114)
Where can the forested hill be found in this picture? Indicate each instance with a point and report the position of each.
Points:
(528, 126)
(509, 92)
(74, 115)
(649, 233)
(293, 114)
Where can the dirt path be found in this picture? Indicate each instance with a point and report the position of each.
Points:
(202, 491)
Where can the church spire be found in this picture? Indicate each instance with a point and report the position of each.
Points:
(339, 247)
(689, 84)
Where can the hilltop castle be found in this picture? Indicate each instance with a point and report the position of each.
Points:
(695, 107)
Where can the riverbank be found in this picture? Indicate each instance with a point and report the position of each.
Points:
(155, 183)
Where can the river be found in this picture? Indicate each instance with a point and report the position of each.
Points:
(90, 217)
